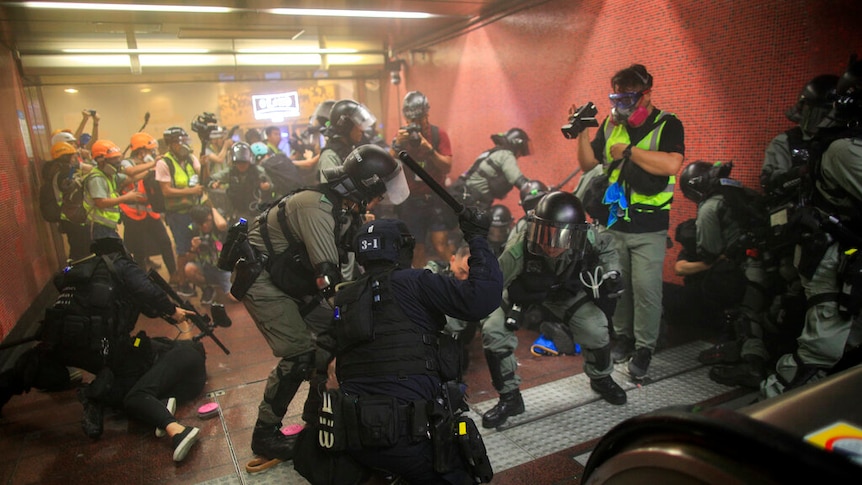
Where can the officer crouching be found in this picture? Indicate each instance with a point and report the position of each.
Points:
(397, 371)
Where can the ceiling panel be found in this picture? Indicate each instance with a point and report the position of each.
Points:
(248, 36)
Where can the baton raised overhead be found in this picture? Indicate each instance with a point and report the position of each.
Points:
(431, 182)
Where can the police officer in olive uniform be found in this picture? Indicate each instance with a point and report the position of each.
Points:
(248, 185)
(495, 171)
(347, 121)
(544, 265)
(501, 227)
(829, 263)
(737, 277)
(532, 192)
(403, 359)
(301, 239)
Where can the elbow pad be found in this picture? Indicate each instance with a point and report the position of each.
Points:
(328, 275)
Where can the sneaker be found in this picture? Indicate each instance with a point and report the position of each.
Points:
(183, 443)
(208, 295)
(92, 419)
(639, 364)
(269, 442)
(187, 289)
(172, 408)
(609, 390)
(623, 348)
(723, 353)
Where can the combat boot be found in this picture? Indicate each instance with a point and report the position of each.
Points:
(748, 373)
(609, 390)
(510, 404)
(268, 441)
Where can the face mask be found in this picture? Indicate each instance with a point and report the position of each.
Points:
(183, 151)
(148, 158)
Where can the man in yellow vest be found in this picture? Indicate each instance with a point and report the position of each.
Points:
(177, 173)
(641, 148)
(102, 191)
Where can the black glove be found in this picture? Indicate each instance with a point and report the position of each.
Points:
(474, 223)
(612, 285)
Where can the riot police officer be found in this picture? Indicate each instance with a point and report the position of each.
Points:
(545, 266)
(347, 121)
(829, 264)
(405, 359)
(300, 242)
(728, 257)
(495, 171)
(248, 185)
(501, 226)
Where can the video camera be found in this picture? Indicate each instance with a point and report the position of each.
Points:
(203, 125)
(583, 118)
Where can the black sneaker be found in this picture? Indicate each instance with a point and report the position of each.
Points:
(639, 364)
(208, 295)
(187, 289)
(609, 390)
(270, 442)
(624, 347)
(510, 404)
(94, 412)
(183, 442)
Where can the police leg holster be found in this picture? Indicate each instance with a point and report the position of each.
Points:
(332, 429)
(247, 270)
(473, 451)
(442, 427)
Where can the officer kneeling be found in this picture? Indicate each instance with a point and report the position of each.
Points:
(399, 399)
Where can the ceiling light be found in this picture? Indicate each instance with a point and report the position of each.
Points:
(238, 34)
(146, 90)
(320, 12)
(135, 51)
(295, 50)
(125, 7)
(71, 90)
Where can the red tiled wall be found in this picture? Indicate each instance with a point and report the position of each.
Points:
(27, 255)
(728, 70)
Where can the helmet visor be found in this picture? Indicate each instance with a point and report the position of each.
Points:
(397, 189)
(545, 239)
(362, 118)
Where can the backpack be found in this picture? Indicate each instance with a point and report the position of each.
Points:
(73, 202)
(154, 190)
(748, 208)
(48, 205)
(284, 174)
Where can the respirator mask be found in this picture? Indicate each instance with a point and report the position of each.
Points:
(626, 110)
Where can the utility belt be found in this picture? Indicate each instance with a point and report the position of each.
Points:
(368, 422)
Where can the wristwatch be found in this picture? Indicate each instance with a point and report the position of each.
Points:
(627, 153)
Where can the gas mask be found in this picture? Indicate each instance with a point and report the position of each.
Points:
(148, 158)
(626, 110)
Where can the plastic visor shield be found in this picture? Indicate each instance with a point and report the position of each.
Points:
(544, 239)
(363, 118)
(625, 101)
(397, 189)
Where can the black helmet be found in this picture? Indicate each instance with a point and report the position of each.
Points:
(848, 106)
(415, 106)
(369, 172)
(346, 114)
(697, 180)
(500, 215)
(531, 192)
(175, 134)
(559, 224)
(814, 102)
(515, 139)
(241, 152)
(321, 113)
(384, 240)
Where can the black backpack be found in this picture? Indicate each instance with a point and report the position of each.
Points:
(154, 191)
(49, 207)
(285, 176)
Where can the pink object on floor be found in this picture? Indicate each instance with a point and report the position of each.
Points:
(291, 429)
(208, 410)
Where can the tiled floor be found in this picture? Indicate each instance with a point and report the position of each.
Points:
(41, 440)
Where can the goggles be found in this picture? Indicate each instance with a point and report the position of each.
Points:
(626, 100)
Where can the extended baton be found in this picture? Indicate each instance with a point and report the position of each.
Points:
(566, 180)
(429, 180)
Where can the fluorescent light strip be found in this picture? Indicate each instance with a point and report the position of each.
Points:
(135, 51)
(127, 7)
(320, 12)
(294, 50)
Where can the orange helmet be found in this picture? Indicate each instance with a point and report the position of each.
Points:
(61, 148)
(106, 149)
(143, 140)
